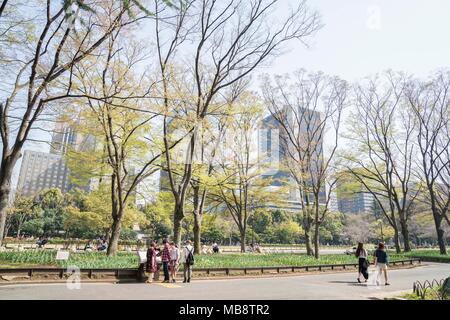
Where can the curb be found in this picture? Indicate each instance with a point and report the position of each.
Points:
(203, 278)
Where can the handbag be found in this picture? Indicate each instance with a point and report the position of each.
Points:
(366, 264)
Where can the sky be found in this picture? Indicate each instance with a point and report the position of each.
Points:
(363, 37)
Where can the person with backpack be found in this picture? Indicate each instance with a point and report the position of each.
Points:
(187, 258)
(381, 260)
(363, 263)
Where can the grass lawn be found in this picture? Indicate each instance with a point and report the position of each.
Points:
(433, 293)
(424, 254)
(129, 260)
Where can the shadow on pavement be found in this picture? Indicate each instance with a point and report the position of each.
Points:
(350, 283)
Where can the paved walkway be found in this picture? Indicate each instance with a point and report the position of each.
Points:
(322, 286)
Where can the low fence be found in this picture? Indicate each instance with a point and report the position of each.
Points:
(133, 248)
(54, 274)
(434, 259)
(322, 267)
(441, 288)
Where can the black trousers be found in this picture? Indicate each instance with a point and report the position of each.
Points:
(166, 270)
(362, 269)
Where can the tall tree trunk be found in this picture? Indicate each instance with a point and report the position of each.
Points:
(437, 219)
(307, 230)
(115, 236)
(405, 233)
(18, 231)
(316, 228)
(439, 232)
(5, 191)
(316, 241)
(198, 200)
(178, 216)
(394, 225)
(197, 233)
(308, 243)
(243, 239)
(117, 214)
(397, 240)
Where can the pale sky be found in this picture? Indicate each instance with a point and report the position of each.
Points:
(363, 37)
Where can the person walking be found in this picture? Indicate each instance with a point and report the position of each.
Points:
(151, 266)
(381, 260)
(165, 258)
(187, 258)
(363, 263)
(174, 260)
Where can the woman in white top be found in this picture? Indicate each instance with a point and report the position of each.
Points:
(363, 263)
(174, 260)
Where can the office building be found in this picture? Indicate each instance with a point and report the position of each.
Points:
(356, 202)
(275, 148)
(41, 171)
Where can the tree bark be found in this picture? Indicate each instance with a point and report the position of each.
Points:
(178, 216)
(397, 240)
(198, 200)
(439, 232)
(243, 239)
(197, 233)
(316, 241)
(307, 229)
(5, 191)
(308, 243)
(405, 234)
(18, 231)
(114, 238)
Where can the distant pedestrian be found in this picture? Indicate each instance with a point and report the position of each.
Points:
(42, 241)
(363, 263)
(174, 260)
(102, 246)
(89, 246)
(151, 266)
(165, 258)
(187, 258)
(381, 260)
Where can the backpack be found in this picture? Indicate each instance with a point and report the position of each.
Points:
(189, 257)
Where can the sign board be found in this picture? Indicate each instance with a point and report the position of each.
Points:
(142, 256)
(62, 255)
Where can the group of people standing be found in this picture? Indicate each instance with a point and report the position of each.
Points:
(171, 258)
(380, 261)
